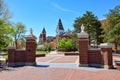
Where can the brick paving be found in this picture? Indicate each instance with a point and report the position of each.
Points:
(33, 73)
(50, 73)
(60, 58)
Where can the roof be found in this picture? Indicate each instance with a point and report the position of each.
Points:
(67, 33)
(59, 26)
(102, 21)
(43, 31)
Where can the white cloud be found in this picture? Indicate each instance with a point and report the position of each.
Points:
(63, 9)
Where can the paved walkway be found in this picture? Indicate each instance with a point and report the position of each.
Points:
(37, 73)
(58, 58)
(59, 67)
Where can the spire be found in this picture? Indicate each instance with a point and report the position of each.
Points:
(43, 31)
(69, 30)
(60, 26)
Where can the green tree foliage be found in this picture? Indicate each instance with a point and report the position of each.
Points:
(74, 38)
(65, 45)
(112, 26)
(5, 38)
(7, 32)
(18, 33)
(92, 26)
(4, 12)
(5, 28)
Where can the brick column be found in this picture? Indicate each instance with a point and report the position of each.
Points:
(11, 56)
(30, 50)
(83, 48)
(106, 51)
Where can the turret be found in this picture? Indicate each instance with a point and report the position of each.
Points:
(59, 29)
(42, 37)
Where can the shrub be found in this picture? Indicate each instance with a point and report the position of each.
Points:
(66, 45)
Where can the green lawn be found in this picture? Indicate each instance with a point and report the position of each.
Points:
(5, 56)
(42, 52)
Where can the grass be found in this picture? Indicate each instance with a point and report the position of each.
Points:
(42, 52)
(5, 56)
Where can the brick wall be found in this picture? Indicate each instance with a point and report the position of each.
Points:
(23, 57)
(94, 57)
(20, 56)
(107, 57)
(101, 57)
(83, 54)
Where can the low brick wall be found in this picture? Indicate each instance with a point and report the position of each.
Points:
(23, 57)
(117, 64)
(16, 57)
(71, 53)
(20, 55)
(94, 57)
(40, 55)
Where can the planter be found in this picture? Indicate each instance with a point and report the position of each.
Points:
(117, 63)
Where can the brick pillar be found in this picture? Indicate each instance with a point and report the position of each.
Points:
(11, 56)
(106, 51)
(30, 50)
(83, 48)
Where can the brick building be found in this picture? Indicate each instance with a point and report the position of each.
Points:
(61, 33)
(42, 37)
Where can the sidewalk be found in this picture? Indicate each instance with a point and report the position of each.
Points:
(59, 67)
(38, 73)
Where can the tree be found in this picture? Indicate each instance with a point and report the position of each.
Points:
(5, 28)
(18, 33)
(92, 26)
(4, 12)
(112, 26)
(74, 38)
(5, 38)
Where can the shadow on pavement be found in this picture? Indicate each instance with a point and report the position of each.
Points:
(42, 66)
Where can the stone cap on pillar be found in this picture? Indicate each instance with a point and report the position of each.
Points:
(105, 45)
(82, 34)
(11, 47)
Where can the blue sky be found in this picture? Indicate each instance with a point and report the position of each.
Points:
(37, 14)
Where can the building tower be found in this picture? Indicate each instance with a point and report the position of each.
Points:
(59, 33)
(42, 37)
(59, 29)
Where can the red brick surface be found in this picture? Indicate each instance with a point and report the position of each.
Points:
(23, 56)
(11, 55)
(107, 56)
(20, 56)
(83, 50)
(32, 73)
(58, 59)
(36, 73)
(101, 57)
(94, 57)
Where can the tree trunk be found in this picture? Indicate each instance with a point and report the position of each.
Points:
(16, 44)
(115, 47)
